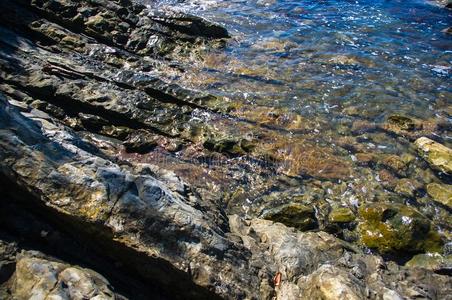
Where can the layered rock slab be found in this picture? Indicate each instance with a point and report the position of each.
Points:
(136, 210)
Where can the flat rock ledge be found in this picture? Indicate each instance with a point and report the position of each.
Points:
(71, 211)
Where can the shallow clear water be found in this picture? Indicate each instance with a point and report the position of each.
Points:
(349, 68)
(321, 57)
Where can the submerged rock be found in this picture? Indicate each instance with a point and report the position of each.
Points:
(441, 193)
(341, 215)
(402, 123)
(431, 261)
(408, 187)
(412, 128)
(393, 163)
(437, 155)
(295, 215)
(390, 228)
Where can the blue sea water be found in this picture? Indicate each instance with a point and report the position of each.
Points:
(321, 58)
(345, 66)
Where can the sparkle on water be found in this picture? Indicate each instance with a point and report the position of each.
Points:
(319, 57)
(335, 63)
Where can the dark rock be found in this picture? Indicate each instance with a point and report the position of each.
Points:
(293, 215)
(140, 142)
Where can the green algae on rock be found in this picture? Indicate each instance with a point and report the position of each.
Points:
(390, 228)
(441, 193)
(437, 155)
(431, 261)
(341, 215)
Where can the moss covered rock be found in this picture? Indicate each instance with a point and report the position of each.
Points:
(431, 261)
(341, 215)
(399, 122)
(441, 193)
(390, 228)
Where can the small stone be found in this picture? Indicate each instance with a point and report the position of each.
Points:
(344, 60)
(98, 23)
(399, 122)
(387, 178)
(351, 144)
(437, 155)
(341, 215)
(119, 132)
(295, 215)
(431, 261)
(140, 142)
(395, 227)
(394, 163)
(407, 127)
(366, 158)
(407, 187)
(72, 42)
(407, 158)
(352, 111)
(361, 127)
(225, 145)
(441, 193)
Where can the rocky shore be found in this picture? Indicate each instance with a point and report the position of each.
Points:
(118, 183)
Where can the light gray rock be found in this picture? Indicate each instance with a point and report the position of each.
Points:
(39, 278)
(437, 155)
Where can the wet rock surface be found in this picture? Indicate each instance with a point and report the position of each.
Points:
(437, 155)
(180, 194)
(392, 228)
